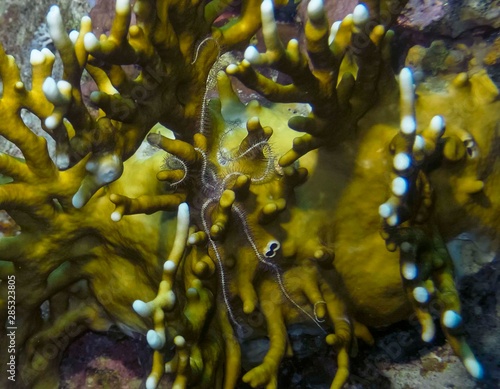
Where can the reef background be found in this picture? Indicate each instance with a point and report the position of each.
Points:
(399, 359)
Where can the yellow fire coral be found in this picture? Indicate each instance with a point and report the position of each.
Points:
(345, 230)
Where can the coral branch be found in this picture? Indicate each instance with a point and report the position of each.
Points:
(315, 78)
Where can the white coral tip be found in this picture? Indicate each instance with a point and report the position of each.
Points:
(116, 216)
(451, 319)
(251, 54)
(151, 382)
(54, 15)
(64, 88)
(267, 8)
(73, 36)
(419, 143)
(51, 122)
(429, 333)
(62, 161)
(253, 121)
(78, 199)
(399, 186)
(333, 31)
(50, 90)
(360, 15)
(437, 124)
(179, 341)
(36, 57)
(183, 215)
(122, 6)
(192, 239)
(385, 210)
(402, 161)
(293, 43)
(49, 55)
(56, 26)
(408, 125)
(232, 68)
(406, 86)
(420, 294)
(393, 220)
(474, 367)
(169, 266)
(141, 308)
(156, 339)
(409, 271)
(406, 77)
(316, 10)
(90, 42)
(108, 169)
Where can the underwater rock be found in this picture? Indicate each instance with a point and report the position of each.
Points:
(451, 18)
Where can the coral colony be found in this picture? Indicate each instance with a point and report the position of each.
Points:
(337, 218)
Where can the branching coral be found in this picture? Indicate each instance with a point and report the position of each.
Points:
(65, 246)
(426, 266)
(164, 42)
(411, 199)
(315, 75)
(292, 235)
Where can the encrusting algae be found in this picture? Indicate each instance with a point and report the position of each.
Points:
(343, 227)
